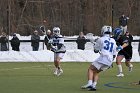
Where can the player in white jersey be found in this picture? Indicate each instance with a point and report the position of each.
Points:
(106, 46)
(57, 46)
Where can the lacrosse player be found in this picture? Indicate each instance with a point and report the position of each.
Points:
(57, 46)
(106, 46)
(124, 49)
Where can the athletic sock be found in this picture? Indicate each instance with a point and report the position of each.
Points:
(89, 82)
(120, 68)
(130, 65)
(94, 84)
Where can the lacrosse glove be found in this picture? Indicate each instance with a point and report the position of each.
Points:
(119, 48)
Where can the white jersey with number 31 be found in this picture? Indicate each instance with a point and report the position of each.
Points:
(107, 47)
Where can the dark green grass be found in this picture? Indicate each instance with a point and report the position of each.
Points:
(39, 78)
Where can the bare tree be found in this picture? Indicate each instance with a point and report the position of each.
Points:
(72, 16)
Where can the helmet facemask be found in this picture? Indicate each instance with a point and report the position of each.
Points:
(106, 30)
(56, 31)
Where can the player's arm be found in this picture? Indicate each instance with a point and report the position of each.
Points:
(125, 44)
(51, 43)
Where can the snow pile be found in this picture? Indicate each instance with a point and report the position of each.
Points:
(72, 55)
(48, 56)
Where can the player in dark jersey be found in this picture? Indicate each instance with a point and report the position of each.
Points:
(124, 50)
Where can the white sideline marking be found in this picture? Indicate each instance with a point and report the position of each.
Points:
(50, 65)
(16, 68)
(21, 68)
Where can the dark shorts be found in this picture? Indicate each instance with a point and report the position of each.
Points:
(126, 53)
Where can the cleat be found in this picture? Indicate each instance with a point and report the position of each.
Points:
(59, 72)
(92, 89)
(86, 86)
(55, 71)
(130, 68)
(120, 75)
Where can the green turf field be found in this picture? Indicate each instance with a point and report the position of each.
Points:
(39, 78)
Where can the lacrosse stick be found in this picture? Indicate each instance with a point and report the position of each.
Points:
(90, 37)
(54, 48)
(43, 30)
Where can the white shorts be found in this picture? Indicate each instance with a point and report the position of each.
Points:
(58, 55)
(100, 66)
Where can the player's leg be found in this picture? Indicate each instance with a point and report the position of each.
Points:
(97, 69)
(55, 64)
(95, 80)
(60, 71)
(56, 60)
(119, 65)
(125, 29)
(129, 65)
(92, 76)
(128, 57)
(59, 56)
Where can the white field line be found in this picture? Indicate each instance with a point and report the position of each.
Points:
(32, 67)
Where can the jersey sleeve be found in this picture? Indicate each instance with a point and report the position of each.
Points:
(114, 48)
(61, 40)
(60, 46)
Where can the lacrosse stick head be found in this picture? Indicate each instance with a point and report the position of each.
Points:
(90, 37)
(42, 29)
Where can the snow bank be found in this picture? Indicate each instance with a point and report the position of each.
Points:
(72, 55)
(48, 56)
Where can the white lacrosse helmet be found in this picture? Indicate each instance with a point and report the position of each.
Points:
(56, 30)
(106, 29)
